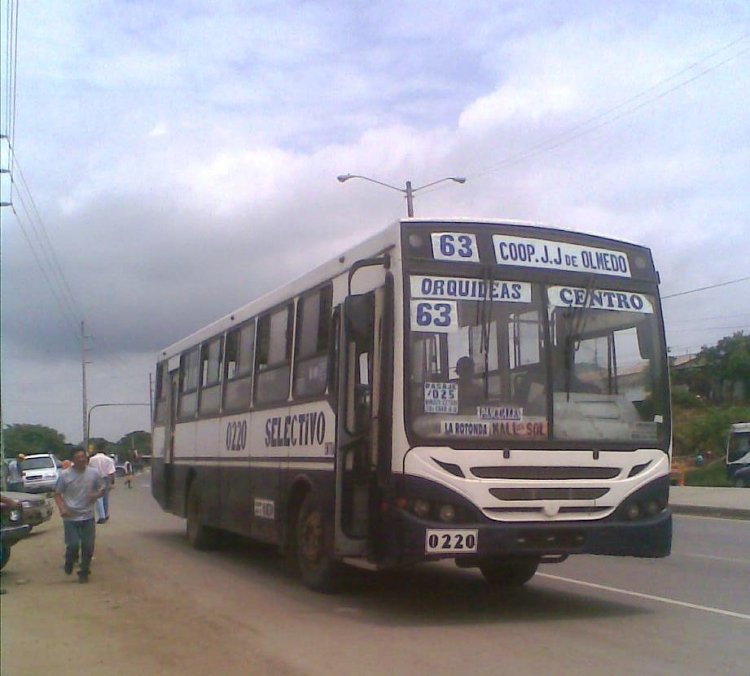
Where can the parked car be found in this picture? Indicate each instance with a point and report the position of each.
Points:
(40, 472)
(741, 478)
(36, 508)
(12, 529)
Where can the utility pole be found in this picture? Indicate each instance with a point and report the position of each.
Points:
(83, 387)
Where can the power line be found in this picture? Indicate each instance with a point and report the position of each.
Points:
(705, 288)
(605, 117)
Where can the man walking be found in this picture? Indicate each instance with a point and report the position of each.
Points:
(106, 466)
(15, 473)
(76, 491)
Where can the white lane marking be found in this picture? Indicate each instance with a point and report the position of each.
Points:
(650, 597)
(712, 558)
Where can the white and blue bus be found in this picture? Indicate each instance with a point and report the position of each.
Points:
(738, 452)
(491, 392)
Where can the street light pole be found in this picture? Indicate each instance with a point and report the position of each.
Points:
(88, 418)
(408, 191)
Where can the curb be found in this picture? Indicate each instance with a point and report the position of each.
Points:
(717, 512)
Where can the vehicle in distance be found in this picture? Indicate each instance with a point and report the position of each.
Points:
(36, 508)
(738, 452)
(40, 472)
(12, 529)
(741, 478)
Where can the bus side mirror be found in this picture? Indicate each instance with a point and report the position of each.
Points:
(645, 340)
(360, 312)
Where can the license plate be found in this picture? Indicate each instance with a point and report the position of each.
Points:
(444, 541)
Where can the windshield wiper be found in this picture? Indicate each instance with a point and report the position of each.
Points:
(576, 324)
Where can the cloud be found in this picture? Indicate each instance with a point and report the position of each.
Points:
(184, 158)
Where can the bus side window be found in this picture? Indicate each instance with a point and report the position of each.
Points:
(274, 354)
(189, 363)
(313, 337)
(239, 352)
(210, 400)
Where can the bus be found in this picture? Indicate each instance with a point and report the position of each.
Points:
(491, 392)
(738, 449)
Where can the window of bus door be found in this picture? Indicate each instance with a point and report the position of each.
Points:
(476, 360)
(738, 446)
(189, 364)
(311, 345)
(274, 356)
(160, 394)
(210, 399)
(239, 353)
(609, 380)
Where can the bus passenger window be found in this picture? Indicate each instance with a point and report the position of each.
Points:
(239, 352)
(189, 363)
(274, 356)
(210, 400)
(313, 335)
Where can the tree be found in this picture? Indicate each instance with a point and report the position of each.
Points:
(29, 439)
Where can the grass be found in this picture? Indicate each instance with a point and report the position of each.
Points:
(714, 474)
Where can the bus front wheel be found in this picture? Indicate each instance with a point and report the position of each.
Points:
(509, 572)
(318, 569)
(199, 535)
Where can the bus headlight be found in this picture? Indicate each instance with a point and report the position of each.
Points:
(421, 508)
(447, 513)
(633, 511)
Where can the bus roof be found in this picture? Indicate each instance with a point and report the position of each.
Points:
(374, 245)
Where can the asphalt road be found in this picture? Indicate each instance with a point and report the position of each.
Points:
(158, 607)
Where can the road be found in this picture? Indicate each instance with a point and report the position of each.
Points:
(154, 606)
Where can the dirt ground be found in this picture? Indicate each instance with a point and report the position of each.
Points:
(128, 619)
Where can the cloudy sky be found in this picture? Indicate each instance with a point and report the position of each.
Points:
(180, 159)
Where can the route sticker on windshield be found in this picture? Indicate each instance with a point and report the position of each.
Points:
(435, 317)
(468, 288)
(599, 299)
(528, 252)
(500, 413)
(451, 541)
(455, 246)
(441, 398)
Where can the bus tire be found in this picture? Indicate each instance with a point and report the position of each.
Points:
(317, 568)
(199, 535)
(509, 572)
(741, 482)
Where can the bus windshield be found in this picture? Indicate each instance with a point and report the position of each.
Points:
(514, 360)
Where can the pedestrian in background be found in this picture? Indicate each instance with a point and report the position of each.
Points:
(15, 474)
(76, 491)
(106, 466)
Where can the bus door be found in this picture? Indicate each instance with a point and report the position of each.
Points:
(364, 377)
(171, 419)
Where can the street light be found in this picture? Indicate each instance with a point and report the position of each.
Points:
(88, 419)
(408, 191)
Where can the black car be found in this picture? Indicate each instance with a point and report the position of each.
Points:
(741, 478)
(13, 529)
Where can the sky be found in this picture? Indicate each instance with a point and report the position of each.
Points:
(173, 161)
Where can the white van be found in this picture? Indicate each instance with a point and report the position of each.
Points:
(40, 472)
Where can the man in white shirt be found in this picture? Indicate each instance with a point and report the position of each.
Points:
(106, 467)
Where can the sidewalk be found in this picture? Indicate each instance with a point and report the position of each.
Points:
(729, 503)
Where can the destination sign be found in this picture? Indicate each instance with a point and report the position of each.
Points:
(599, 299)
(530, 252)
(463, 288)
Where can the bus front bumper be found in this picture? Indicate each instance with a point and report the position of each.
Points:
(646, 538)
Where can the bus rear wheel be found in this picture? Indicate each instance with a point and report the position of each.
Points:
(509, 572)
(199, 535)
(317, 568)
